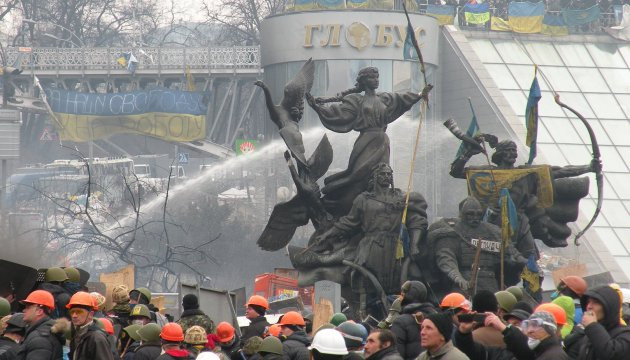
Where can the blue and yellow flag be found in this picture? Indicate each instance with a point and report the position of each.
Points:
(498, 24)
(473, 129)
(409, 51)
(531, 119)
(478, 14)
(526, 17)
(382, 4)
(531, 278)
(509, 216)
(331, 4)
(554, 25)
(445, 14)
(357, 4)
(581, 17)
(302, 5)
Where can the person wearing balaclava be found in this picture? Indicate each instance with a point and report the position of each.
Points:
(406, 326)
(542, 340)
(603, 338)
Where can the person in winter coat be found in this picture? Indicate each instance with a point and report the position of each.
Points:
(192, 316)
(328, 344)
(381, 345)
(44, 338)
(150, 346)
(255, 313)
(89, 341)
(55, 278)
(463, 340)
(229, 341)
(603, 338)
(271, 348)
(435, 337)
(13, 333)
(352, 334)
(485, 302)
(295, 345)
(406, 326)
(541, 329)
(171, 337)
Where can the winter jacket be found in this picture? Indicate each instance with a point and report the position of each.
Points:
(605, 339)
(389, 353)
(130, 354)
(447, 352)
(488, 336)
(175, 354)
(148, 351)
(353, 355)
(271, 356)
(256, 327)
(7, 344)
(464, 342)
(295, 346)
(193, 317)
(232, 350)
(550, 349)
(90, 343)
(407, 330)
(43, 341)
(62, 297)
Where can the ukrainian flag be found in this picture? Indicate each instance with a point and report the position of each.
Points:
(357, 4)
(554, 25)
(477, 13)
(509, 216)
(302, 5)
(581, 17)
(331, 4)
(498, 24)
(531, 117)
(526, 17)
(445, 14)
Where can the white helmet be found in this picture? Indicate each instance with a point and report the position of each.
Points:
(207, 355)
(329, 341)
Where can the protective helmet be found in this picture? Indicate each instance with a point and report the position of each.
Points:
(292, 318)
(516, 291)
(72, 274)
(40, 297)
(454, 301)
(556, 310)
(172, 332)
(576, 284)
(5, 307)
(258, 301)
(338, 318)
(107, 325)
(142, 290)
(100, 300)
(252, 345)
(195, 335)
(120, 294)
(56, 274)
(132, 331)
(140, 310)
(207, 355)
(506, 300)
(274, 330)
(150, 332)
(271, 344)
(352, 334)
(82, 299)
(225, 332)
(329, 341)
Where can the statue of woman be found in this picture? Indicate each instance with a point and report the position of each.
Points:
(368, 113)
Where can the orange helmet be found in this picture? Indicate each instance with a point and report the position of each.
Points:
(40, 297)
(259, 301)
(454, 301)
(575, 283)
(556, 310)
(82, 298)
(107, 325)
(292, 318)
(225, 332)
(172, 332)
(274, 330)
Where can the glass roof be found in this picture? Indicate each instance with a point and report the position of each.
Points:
(595, 80)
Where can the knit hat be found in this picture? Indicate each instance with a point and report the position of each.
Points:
(258, 309)
(338, 318)
(548, 319)
(443, 323)
(483, 301)
(190, 302)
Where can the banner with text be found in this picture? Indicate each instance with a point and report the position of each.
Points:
(171, 115)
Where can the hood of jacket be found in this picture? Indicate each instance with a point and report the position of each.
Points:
(191, 312)
(416, 292)
(426, 308)
(301, 337)
(54, 289)
(610, 301)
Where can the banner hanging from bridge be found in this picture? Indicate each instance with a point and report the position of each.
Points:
(171, 115)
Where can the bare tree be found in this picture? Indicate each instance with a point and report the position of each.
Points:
(6, 6)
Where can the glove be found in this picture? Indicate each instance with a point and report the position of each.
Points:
(459, 280)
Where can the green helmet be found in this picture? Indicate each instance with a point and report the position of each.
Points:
(56, 274)
(5, 307)
(516, 291)
(132, 331)
(73, 274)
(252, 345)
(506, 300)
(338, 318)
(140, 310)
(142, 290)
(271, 344)
(150, 332)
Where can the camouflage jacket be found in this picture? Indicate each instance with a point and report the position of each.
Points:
(196, 317)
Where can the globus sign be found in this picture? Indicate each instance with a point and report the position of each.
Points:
(344, 34)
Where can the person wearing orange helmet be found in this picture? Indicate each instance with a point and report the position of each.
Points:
(255, 312)
(42, 339)
(573, 287)
(295, 347)
(172, 336)
(456, 304)
(229, 341)
(88, 340)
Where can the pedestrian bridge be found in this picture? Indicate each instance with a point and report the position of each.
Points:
(227, 73)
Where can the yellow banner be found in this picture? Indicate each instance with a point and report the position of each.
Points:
(498, 24)
(526, 24)
(166, 126)
(482, 187)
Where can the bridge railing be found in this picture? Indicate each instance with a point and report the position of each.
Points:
(154, 59)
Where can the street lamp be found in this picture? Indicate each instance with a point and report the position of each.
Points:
(80, 42)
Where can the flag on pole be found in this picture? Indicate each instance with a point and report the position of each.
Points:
(473, 129)
(531, 118)
(509, 216)
(409, 52)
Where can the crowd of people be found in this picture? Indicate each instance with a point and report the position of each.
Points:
(59, 321)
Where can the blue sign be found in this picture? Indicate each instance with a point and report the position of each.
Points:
(182, 158)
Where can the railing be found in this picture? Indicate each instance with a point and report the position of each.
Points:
(153, 59)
